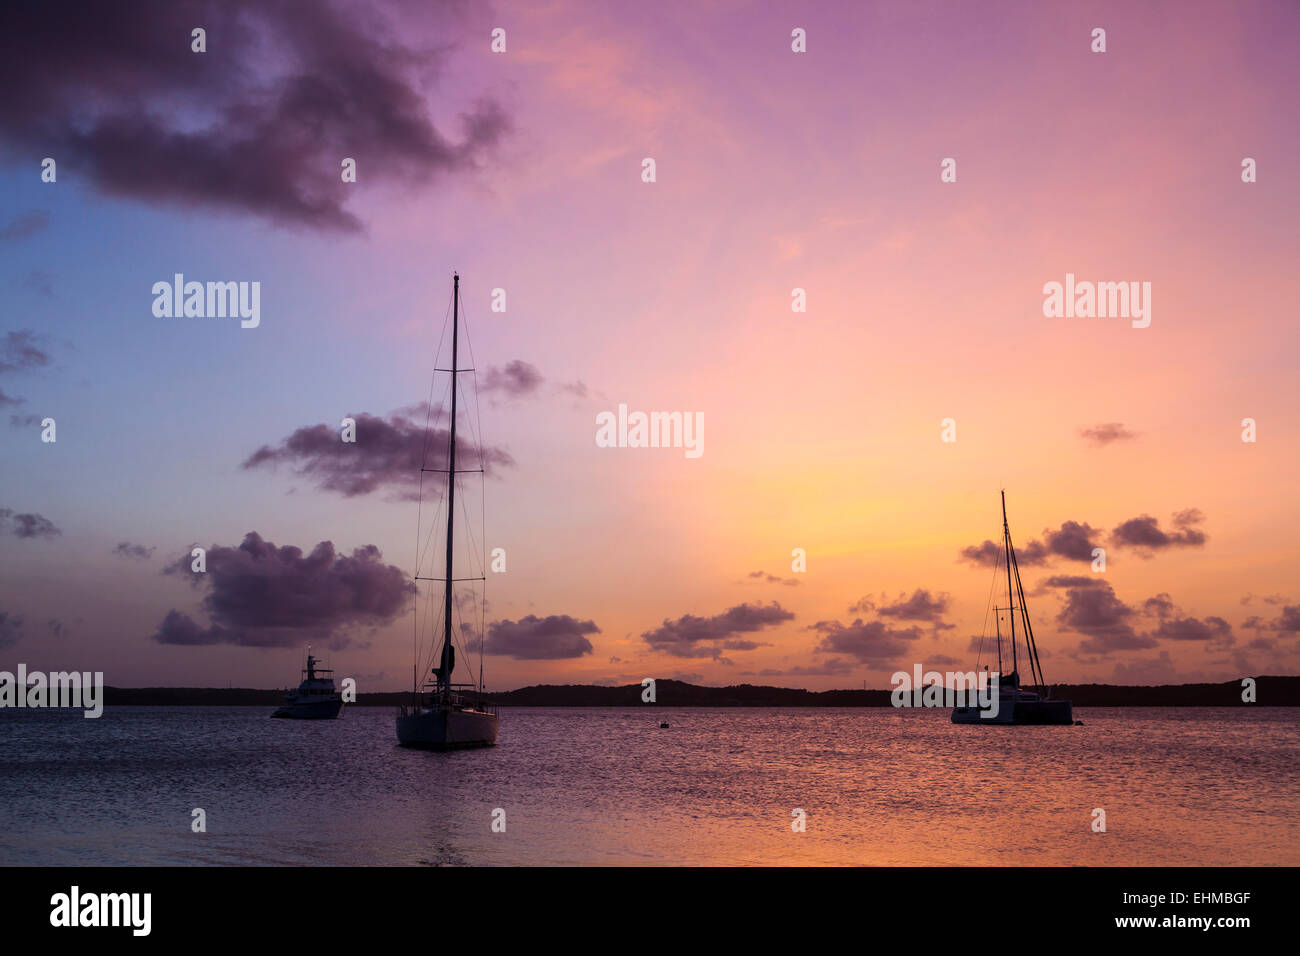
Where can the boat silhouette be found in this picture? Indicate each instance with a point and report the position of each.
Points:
(1016, 703)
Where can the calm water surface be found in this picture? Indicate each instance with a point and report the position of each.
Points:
(607, 786)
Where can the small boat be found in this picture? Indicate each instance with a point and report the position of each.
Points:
(1017, 703)
(664, 725)
(315, 698)
(447, 716)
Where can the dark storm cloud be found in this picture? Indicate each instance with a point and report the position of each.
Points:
(387, 455)
(260, 595)
(1145, 533)
(532, 638)
(27, 525)
(1106, 433)
(257, 124)
(127, 549)
(686, 636)
(870, 642)
(24, 225)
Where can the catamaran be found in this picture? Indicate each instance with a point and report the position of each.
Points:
(315, 698)
(1017, 704)
(443, 715)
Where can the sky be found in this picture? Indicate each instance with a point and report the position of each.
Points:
(824, 429)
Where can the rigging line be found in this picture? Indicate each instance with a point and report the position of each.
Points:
(478, 443)
(1029, 630)
(428, 406)
(984, 628)
(482, 499)
(419, 514)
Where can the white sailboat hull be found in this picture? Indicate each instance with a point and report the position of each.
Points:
(447, 729)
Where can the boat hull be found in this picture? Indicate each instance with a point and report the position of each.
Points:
(311, 710)
(1020, 712)
(447, 729)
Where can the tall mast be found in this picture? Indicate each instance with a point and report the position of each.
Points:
(1011, 599)
(448, 655)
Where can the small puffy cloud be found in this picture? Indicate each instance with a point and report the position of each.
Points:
(128, 549)
(1105, 433)
(921, 606)
(1144, 533)
(692, 636)
(387, 455)
(27, 525)
(552, 638)
(869, 642)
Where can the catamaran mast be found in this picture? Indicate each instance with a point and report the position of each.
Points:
(1011, 599)
(448, 654)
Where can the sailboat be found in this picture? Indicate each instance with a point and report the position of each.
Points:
(1017, 704)
(444, 715)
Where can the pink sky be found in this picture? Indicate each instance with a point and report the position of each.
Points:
(775, 170)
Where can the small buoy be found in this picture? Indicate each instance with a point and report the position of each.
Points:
(663, 725)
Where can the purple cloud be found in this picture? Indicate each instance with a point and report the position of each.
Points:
(126, 549)
(686, 636)
(1145, 534)
(28, 525)
(515, 380)
(532, 638)
(1102, 618)
(767, 578)
(989, 553)
(871, 642)
(387, 455)
(257, 124)
(919, 607)
(260, 595)
(1106, 433)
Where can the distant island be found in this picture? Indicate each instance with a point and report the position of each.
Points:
(1270, 692)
